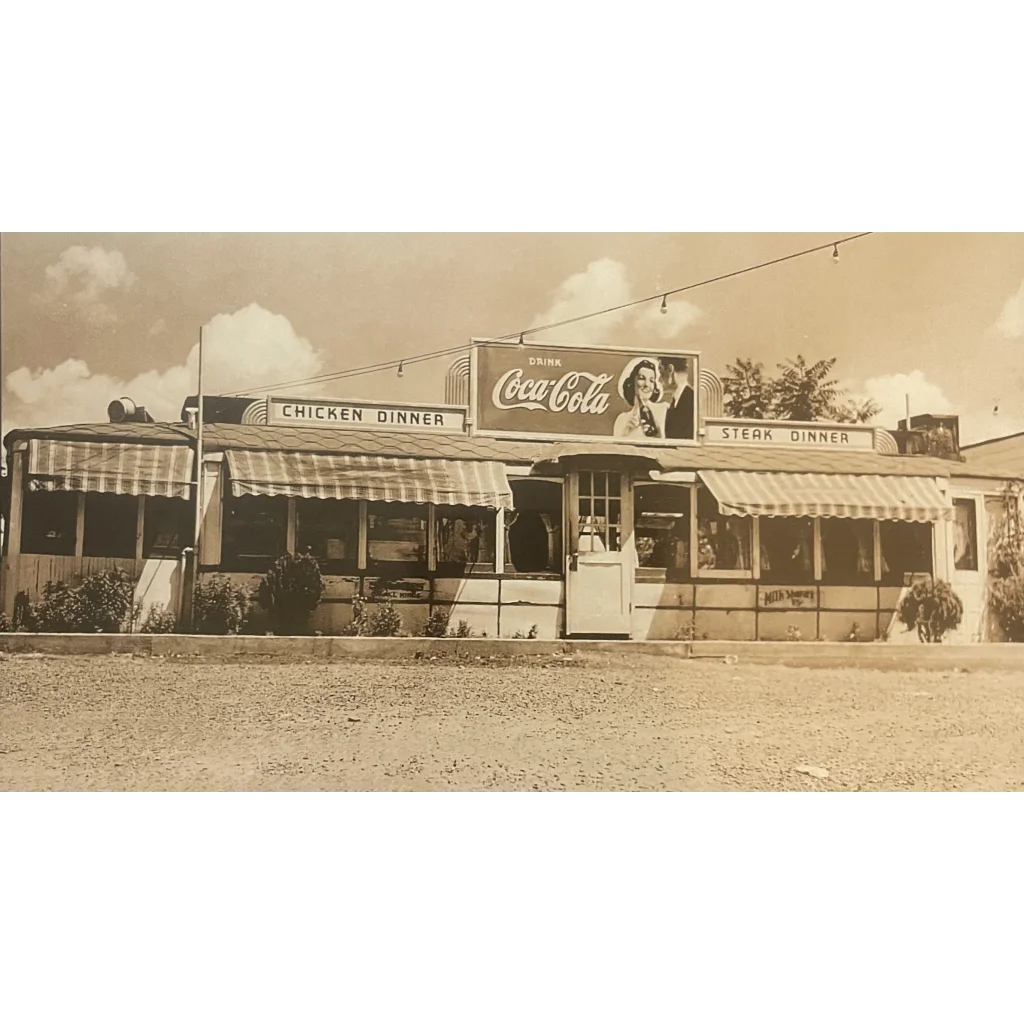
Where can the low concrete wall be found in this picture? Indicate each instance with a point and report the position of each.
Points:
(327, 648)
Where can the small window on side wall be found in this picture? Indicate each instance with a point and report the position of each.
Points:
(965, 535)
(49, 522)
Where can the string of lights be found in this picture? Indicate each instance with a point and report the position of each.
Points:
(521, 336)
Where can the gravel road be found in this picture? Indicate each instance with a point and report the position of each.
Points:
(588, 722)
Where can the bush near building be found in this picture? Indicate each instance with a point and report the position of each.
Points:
(290, 592)
(219, 607)
(933, 608)
(102, 602)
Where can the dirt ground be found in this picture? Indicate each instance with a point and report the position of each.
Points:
(587, 722)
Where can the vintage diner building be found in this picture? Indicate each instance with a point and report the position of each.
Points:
(584, 492)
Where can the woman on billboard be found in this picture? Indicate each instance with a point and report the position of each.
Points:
(639, 389)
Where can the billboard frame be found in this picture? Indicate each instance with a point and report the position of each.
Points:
(655, 353)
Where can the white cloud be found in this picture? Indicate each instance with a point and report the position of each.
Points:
(1011, 321)
(890, 392)
(241, 350)
(602, 285)
(83, 281)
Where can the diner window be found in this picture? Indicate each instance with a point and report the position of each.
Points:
(328, 528)
(847, 551)
(111, 523)
(464, 538)
(49, 522)
(906, 548)
(168, 526)
(787, 549)
(661, 514)
(397, 534)
(965, 535)
(995, 517)
(723, 542)
(255, 530)
(534, 528)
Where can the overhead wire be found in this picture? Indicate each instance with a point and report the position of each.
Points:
(520, 335)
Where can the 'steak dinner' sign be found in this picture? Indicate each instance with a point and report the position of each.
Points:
(815, 436)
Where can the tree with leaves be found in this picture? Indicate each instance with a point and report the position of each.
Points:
(802, 391)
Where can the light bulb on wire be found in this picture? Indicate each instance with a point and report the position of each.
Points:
(664, 303)
(521, 342)
(835, 253)
(401, 372)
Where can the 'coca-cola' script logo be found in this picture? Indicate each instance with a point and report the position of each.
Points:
(569, 393)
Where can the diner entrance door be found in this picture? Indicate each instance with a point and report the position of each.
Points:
(599, 573)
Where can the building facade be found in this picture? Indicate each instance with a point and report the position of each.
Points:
(557, 491)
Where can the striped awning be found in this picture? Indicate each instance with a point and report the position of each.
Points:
(163, 470)
(820, 495)
(368, 477)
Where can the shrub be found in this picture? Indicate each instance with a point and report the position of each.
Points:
(384, 620)
(437, 624)
(219, 607)
(462, 630)
(933, 608)
(101, 603)
(290, 592)
(530, 635)
(1006, 599)
(159, 620)
(793, 633)
(5, 624)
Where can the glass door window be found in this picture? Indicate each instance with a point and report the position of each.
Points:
(600, 512)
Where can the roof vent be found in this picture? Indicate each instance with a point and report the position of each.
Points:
(124, 410)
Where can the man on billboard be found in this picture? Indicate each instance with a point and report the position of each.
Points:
(678, 394)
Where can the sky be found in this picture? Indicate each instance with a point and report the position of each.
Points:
(89, 318)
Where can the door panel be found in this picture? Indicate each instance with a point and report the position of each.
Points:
(599, 576)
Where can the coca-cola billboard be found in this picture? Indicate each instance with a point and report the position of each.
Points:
(584, 393)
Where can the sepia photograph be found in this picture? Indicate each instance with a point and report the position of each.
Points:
(641, 518)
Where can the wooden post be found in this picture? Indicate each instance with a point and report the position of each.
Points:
(80, 526)
(363, 538)
(817, 549)
(140, 525)
(18, 483)
(291, 529)
(877, 554)
(431, 537)
(694, 533)
(499, 541)
(755, 547)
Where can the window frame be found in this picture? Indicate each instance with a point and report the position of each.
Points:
(976, 567)
(697, 573)
(503, 563)
(255, 562)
